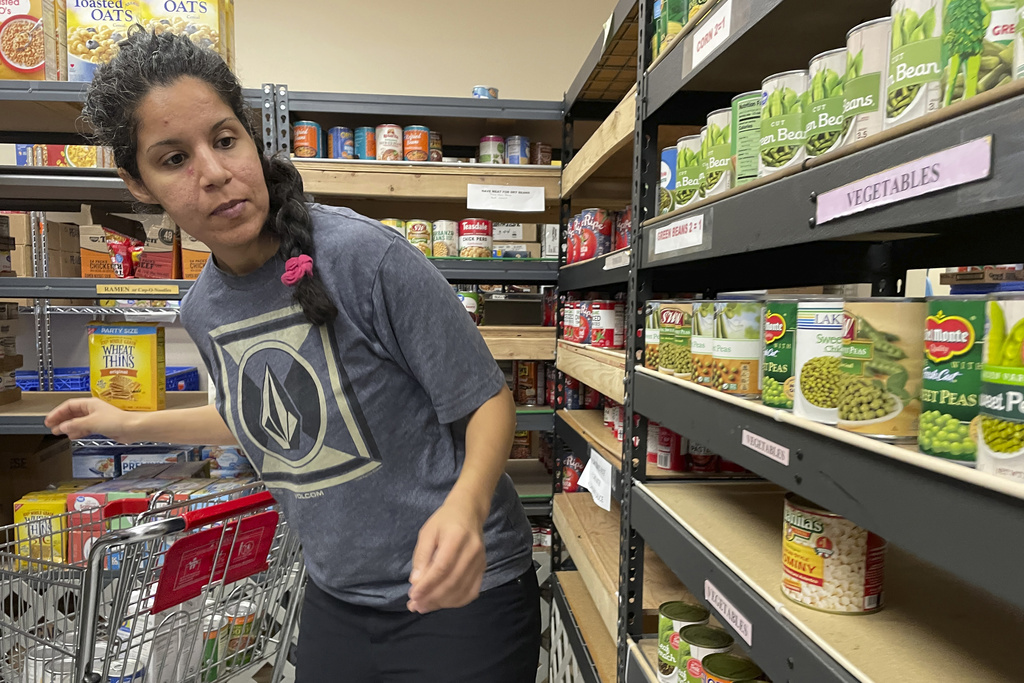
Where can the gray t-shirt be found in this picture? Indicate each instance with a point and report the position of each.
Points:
(357, 428)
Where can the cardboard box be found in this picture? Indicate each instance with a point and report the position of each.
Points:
(83, 466)
(8, 310)
(40, 61)
(28, 463)
(515, 232)
(71, 264)
(227, 461)
(194, 255)
(550, 244)
(93, 252)
(85, 22)
(187, 470)
(516, 250)
(211, 22)
(129, 461)
(41, 521)
(5, 226)
(161, 259)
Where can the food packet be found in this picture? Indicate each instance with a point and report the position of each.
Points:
(124, 253)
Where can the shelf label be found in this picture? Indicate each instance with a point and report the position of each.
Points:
(619, 259)
(597, 478)
(504, 198)
(768, 449)
(951, 167)
(711, 33)
(682, 234)
(730, 614)
(137, 289)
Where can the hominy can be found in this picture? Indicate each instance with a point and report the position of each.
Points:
(397, 224)
(445, 238)
(623, 228)
(594, 232)
(572, 393)
(914, 84)
(416, 143)
(492, 150)
(551, 384)
(688, 170)
(340, 143)
(779, 345)
(389, 139)
(585, 330)
(672, 618)
(736, 351)
(671, 450)
(1001, 437)
(475, 238)
(823, 119)
(421, 234)
(666, 195)
(540, 154)
(867, 59)
(241, 618)
(307, 140)
(436, 146)
(696, 643)
(527, 391)
(724, 667)
(883, 357)
(746, 136)
(609, 321)
(718, 170)
(702, 342)
(366, 143)
(653, 434)
(517, 150)
(829, 563)
(782, 121)
(819, 350)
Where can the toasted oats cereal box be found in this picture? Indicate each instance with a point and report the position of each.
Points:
(208, 23)
(126, 365)
(93, 31)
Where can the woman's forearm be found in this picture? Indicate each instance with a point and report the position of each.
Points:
(188, 425)
(488, 444)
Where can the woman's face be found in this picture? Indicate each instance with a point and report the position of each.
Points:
(199, 163)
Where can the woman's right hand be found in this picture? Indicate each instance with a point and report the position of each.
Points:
(82, 417)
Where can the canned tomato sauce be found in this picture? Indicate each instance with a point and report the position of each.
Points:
(366, 143)
(623, 228)
(608, 324)
(828, 562)
(672, 618)
(570, 320)
(527, 374)
(608, 414)
(389, 142)
(584, 331)
(551, 383)
(653, 434)
(306, 140)
(671, 450)
(572, 393)
(340, 144)
(591, 398)
(416, 143)
(475, 238)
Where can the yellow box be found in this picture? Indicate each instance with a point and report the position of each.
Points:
(194, 255)
(40, 523)
(126, 365)
(209, 23)
(30, 51)
(93, 31)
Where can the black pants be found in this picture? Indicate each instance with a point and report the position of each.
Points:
(494, 639)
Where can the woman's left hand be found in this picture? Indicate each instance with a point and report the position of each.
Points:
(449, 560)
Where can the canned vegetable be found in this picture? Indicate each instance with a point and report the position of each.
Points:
(675, 322)
(688, 170)
(436, 147)
(728, 668)
(823, 119)
(672, 618)
(527, 374)
(475, 238)
(445, 239)
(669, 159)
(421, 234)
(696, 643)
(746, 136)
(718, 171)
(307, 140)
(736, 352)
(492, 149)
(702, 342)
(779, 345)
(819, 349)
(396, 224)
(914, 86)
(517, 150)
(867, 58)
(389, 140)
(782, 123)
(1001, 443)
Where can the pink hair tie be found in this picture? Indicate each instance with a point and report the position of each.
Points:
(296, 268)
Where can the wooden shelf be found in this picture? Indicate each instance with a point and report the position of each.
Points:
(601, 369)
(422, 181)
(520, 342)
(919, 633)
(614, 134)
(591, 535)
(531, 478)
(590, 425)
(26, 416)
(588, 619)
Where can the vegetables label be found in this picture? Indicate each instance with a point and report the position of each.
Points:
(779, 336)
(913, 87)
(819, 345)
(1001, 401)
(824, 119)
(953, 341)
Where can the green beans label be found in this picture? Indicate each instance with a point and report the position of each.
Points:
(823, 119)
(675, 321)
(867, 57)
(689, 167)
(746, 136)
(915, 64)
(882, 361)
(819, 345)
(702, 342)
(779, 334)
(718, 172)
(1001, 401)
(652, 336)
(953, 342)
(782, 121)
(736, 349)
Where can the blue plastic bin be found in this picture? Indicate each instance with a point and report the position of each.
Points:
(77, 379)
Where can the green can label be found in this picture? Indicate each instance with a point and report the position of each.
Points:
(668, 647)
(915, 64)
(953, 342)
(1001, 400)
(779, 337)
(746, 136)
(718, 172)
(688, 171)
(1018, 41)
(782, 121)
(860, 95)
(823, 115)
(652, 336)
(978, 47)
(675, 322)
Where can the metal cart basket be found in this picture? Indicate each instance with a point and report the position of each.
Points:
(160, 590)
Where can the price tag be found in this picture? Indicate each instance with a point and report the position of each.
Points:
(682, 234)
(711, 34)
(504, 198)
(597, 478)
(619, 259)
(129, 289)
(730, 614)
(768, 449)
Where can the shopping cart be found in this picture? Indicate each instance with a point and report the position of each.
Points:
(159, 590)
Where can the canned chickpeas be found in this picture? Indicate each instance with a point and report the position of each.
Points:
(475, 238)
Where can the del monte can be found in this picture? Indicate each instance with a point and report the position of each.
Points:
(779, 343)
(1001, 446)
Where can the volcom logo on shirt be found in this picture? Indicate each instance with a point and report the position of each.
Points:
(286, 395)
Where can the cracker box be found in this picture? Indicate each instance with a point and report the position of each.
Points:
(129, 461)
(126, 365)
(30, 47)
(194, 255)
(93, 31)
(40, 522)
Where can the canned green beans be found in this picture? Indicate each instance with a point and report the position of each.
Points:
(736, 352)
(1001, 443)
(779, 345)
(718, 169)
(652, 335)
(823, 119)
(915, 63)
(819, 347)
(867, 57)
(688, 170)
(782, 122)
(746, 136)
(954, 337)
(1018, 42)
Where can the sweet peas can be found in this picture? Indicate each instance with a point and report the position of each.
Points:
(1001, 437)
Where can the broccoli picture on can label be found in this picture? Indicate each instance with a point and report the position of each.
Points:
(964, 27)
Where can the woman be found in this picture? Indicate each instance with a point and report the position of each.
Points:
(350, 375)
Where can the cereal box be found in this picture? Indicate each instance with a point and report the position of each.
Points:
(227, 461)
(93, 31)
(126, 365)
(40, 522)
(208, 23)
(29, 40)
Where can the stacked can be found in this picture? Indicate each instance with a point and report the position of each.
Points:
(593, 234)
(551, 383)
(867, 64)
(584, 332)
(746, 136)
(666, 195)
(782, 122)
(591, 398)
(608, 319)
(416, 143)
(623, 228)
(307, 140)
(340, 144)
(366, 143)
(672, 450)
(823, 116)
(540, 154)
(390, 142)
(653, 432)
(492, 150)
(517, 150)
(689, 167)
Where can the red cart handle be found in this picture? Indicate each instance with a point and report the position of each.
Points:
(125, 506)
(232, 508)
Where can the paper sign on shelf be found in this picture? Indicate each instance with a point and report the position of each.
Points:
(684, 233)
(137, 288)
(768, 449)
(617, 260)
(597, 478)
(958, 165)
(730, 614)
(711, 33)
(504, 198)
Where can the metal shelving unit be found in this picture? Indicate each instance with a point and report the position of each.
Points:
(610, 271)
